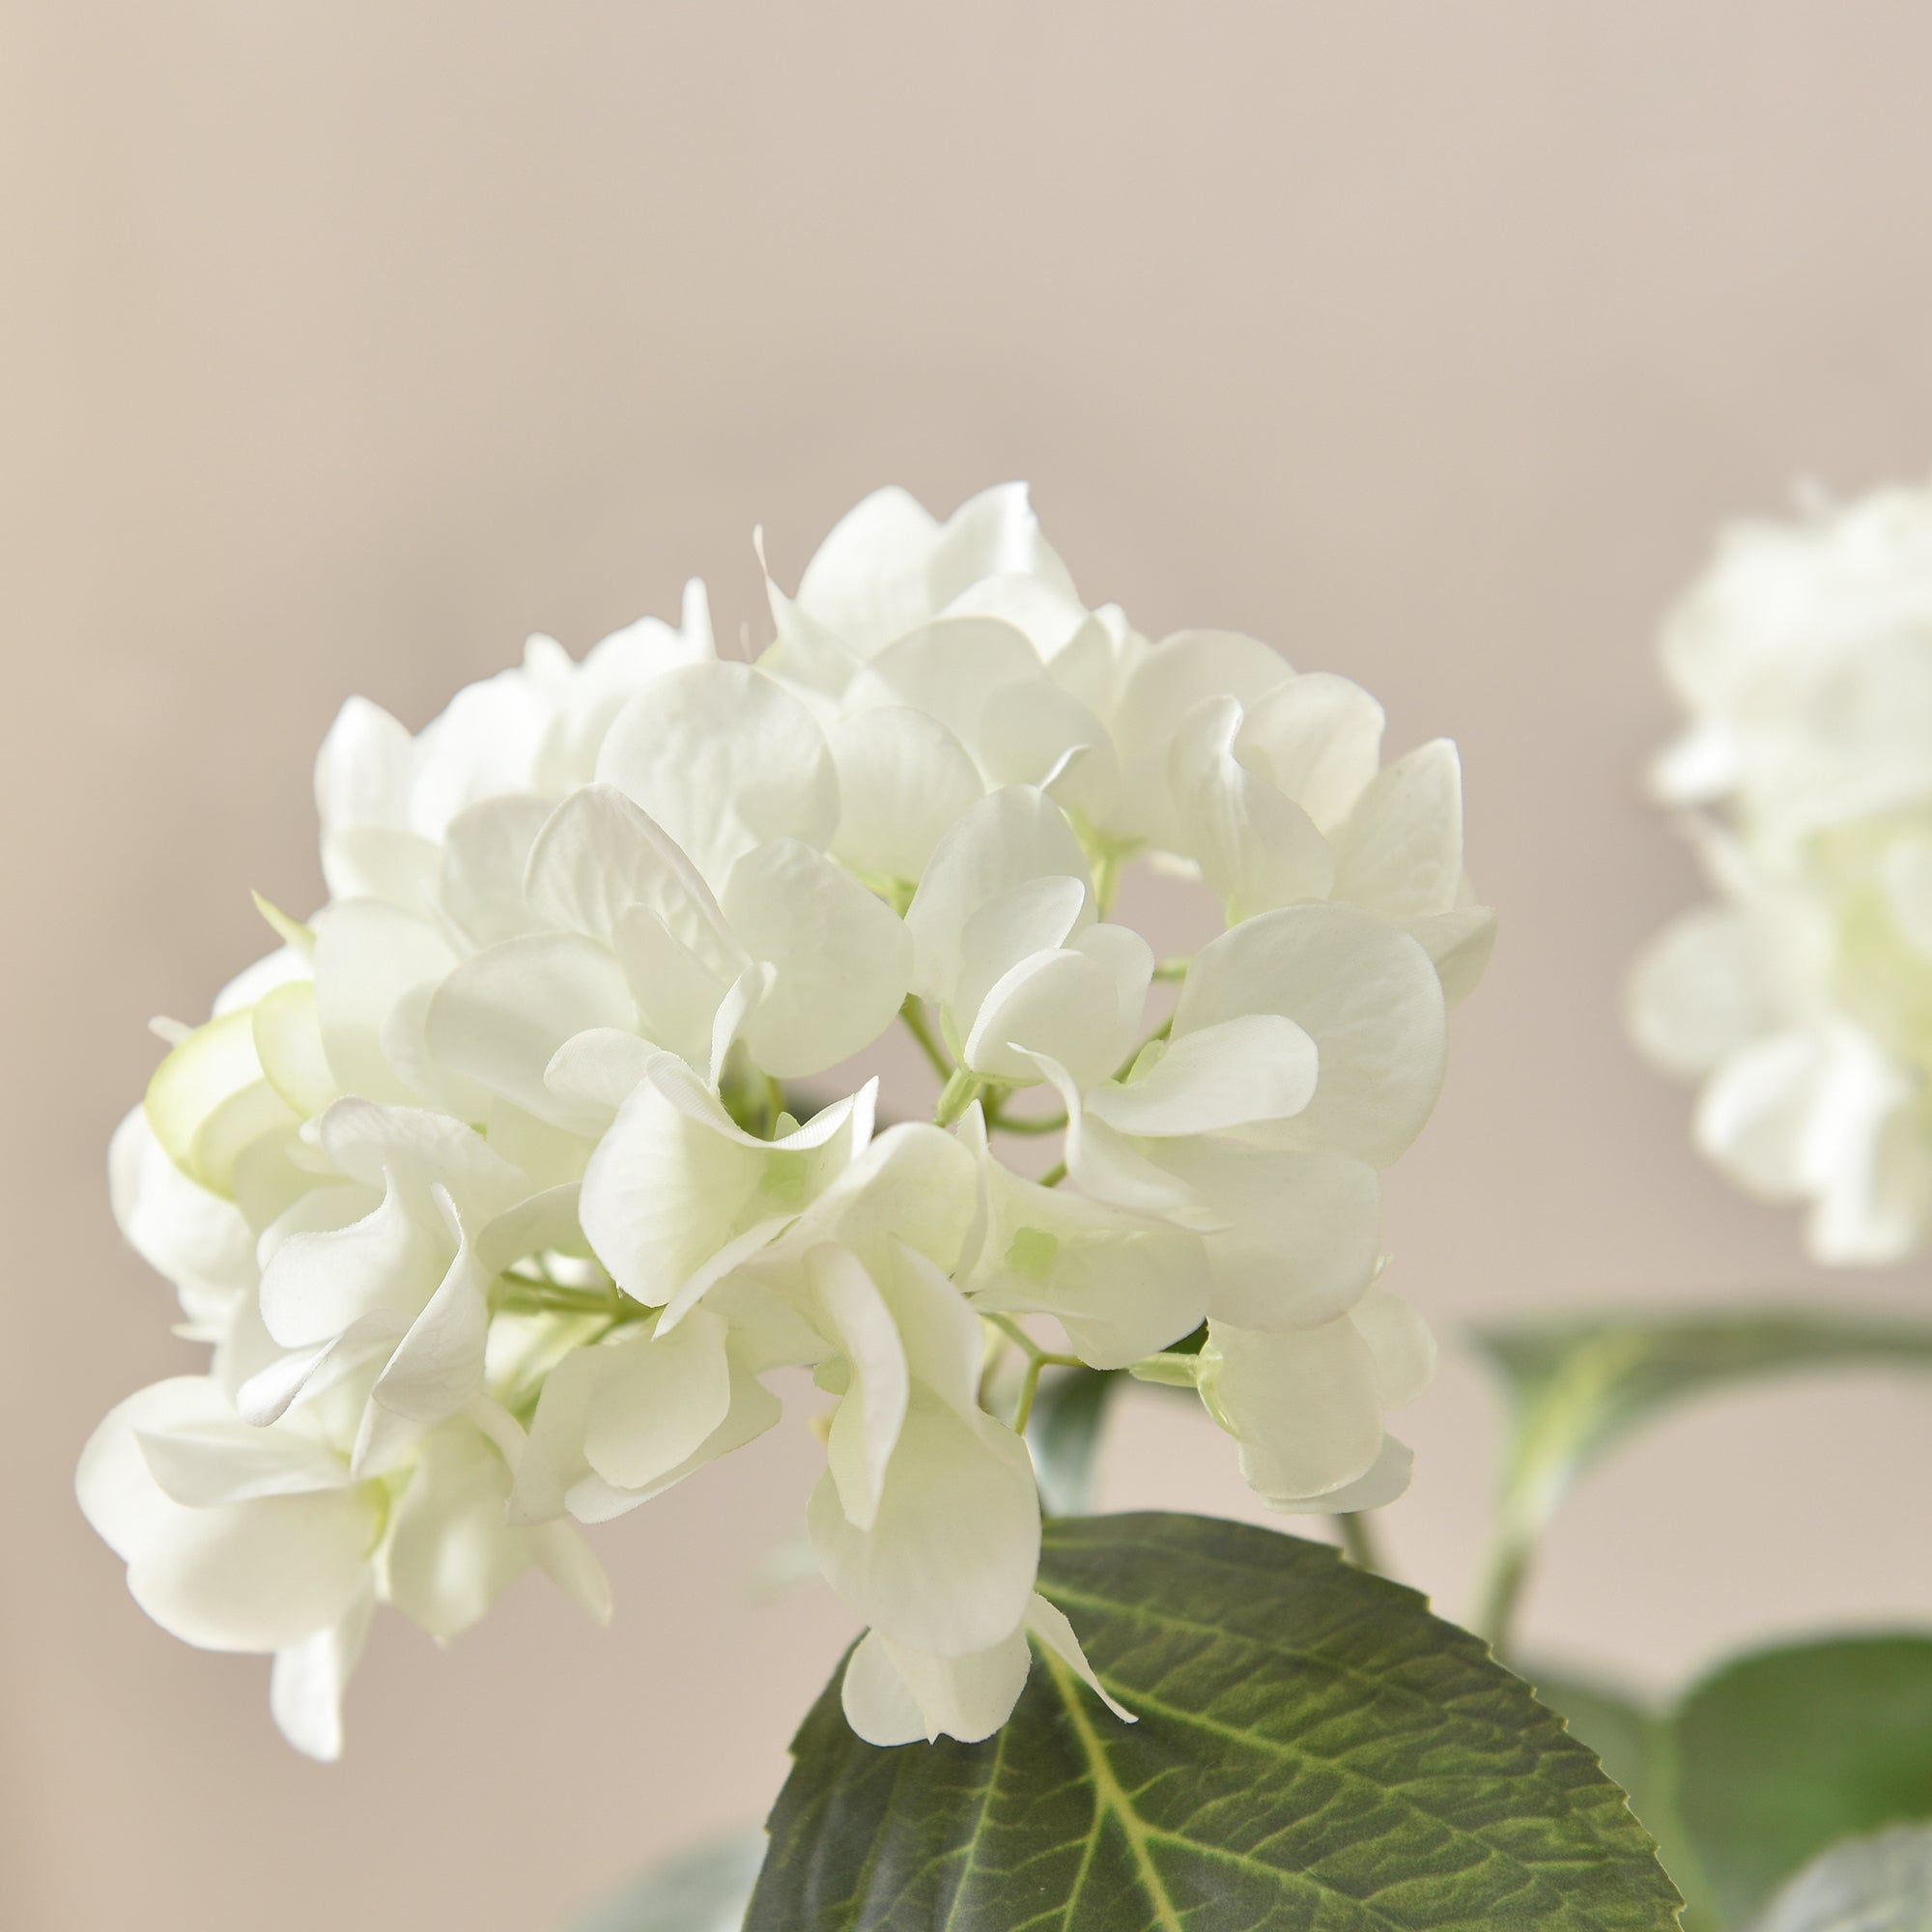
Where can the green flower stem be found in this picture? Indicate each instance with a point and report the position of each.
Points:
(528, 1295)
(1037, 1358)
(1504, 1576)
(962, 1088)
(1054, 1176)
(1360, 1542)
(920, 1026)
(1173, 970)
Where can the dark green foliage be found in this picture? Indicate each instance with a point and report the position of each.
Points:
(1314, 1751)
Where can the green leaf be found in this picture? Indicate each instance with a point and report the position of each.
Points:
(703, 1890)
(1314, 1749)
(1631, 1741)
(1063, 1433)
(1781, 1753)
(1575, 1388)
(1882, 1883)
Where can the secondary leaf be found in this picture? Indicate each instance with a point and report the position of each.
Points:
(1882, 1883)
(1575, 1388)
(1314, 1749)
(1782, 1753)
(1630, 1739)
(703, 1890)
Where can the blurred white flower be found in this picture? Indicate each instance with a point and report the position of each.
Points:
(1802, 995)
(491, 1193)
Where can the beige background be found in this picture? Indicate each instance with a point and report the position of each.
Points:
(347, 343)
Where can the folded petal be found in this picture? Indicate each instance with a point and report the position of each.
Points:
(949, 1566)
(306, 1686)
(1258, 1067)
(842, 957)
(903, 780)
(894, 1694)
(724, 758)
(1399, 850)
(1317, 739)
(1369, 997)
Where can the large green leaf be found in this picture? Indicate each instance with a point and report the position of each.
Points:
(1314, 1749)
(1781, 1754)
(701, 1890)
(1576, 1387)
(1882, 1883)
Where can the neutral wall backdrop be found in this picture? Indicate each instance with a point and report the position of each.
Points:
(346, 344)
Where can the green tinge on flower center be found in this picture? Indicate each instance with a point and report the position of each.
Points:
(784, 1179)
(1031, 1254)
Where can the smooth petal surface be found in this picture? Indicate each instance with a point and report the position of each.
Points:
(841, 958)
(306, 1686)
(949, 1566)
(1317, 739)
(367, 955)
(1366, 993)
(896, 1695)
(1258, 1067)
(724, 758)
(658, 1398)
(500, 1017)
(1401, 849)
(903, 780)
(1304, 1406)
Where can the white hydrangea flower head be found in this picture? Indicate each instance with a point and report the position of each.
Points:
(496, 1197)
(1800, 995)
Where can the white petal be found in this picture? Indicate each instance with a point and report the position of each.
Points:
(724, 758)
(1401, 849)
(1256, 1067)
(1460, 942)
(258, 1575)
(1036, 917)
(437, 1367)
(449, 1554)
(1299, 1235)
(1317, 738)
(1304, 1406)
(1026, 729)
(1012, 836)
(316, 1285)
(287, 1029)
(1400, 1340)
(598, 856)
(869, 581)
(1081, 1007)
(1364, 992)
(872, 1408)
(306, 1686)
(601, 1068)
(480, 887)
(367, 955)
(894, 1694)
(501, 1016)
(1181, 672)
(841, 956)
(658, 1398)
(904, 778)
(1256, 846)
(1047, 1623)
(1386, 1481)
(948, 1567)
(196, 1240)
(114, 1482)
(1697, 991)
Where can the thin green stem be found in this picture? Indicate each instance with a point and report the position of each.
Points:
(1360, 1542)
(1029, 1389)
(962, 1088)
(1504, 1576)
(1171, 969)
(528, 1295)
(920, 1026)
(1054, 1175)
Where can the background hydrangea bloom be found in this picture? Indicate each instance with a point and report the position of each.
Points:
(1800, 996)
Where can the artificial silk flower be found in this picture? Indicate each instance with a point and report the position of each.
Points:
(496, 1198)
(1800, 995)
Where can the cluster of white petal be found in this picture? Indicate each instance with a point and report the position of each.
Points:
(496, 1197)
(1800, 995)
